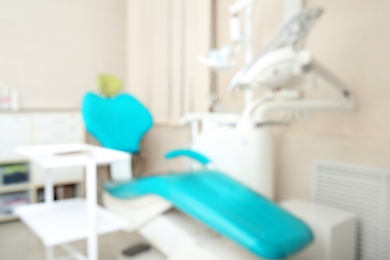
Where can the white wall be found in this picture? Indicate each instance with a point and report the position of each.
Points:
(52, 50)
(164, 39)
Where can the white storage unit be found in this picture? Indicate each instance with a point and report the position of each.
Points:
(49, 128)
(52, 128)
(335, 231)
(15, 129)
(364, 190)
(38, 127)
(79, 218)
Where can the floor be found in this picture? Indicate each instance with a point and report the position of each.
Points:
(17, 242)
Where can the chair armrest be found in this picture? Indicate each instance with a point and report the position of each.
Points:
(200, 158)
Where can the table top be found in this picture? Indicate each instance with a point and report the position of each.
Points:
(52, 156)
(66, 221)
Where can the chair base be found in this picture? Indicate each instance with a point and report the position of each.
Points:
(175, 234)
(138, 211)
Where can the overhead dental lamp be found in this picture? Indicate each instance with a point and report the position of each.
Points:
(242, 143)
(283, 58)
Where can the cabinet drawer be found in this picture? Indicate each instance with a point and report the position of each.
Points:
(16, 121)
(15, 129)
(15, 135)
(8, 153)
(65, 135)
(57, 141)
(58, 128)
(9, 201)
(56, 119)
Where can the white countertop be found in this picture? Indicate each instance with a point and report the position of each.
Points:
(53, 156)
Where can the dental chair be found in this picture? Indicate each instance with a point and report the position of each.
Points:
(119, 123)
(225, 214)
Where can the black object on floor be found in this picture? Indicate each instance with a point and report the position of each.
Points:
(136, 249)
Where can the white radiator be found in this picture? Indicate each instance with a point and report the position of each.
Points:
(364, 191)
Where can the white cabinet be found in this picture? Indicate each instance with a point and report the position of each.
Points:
(32, 128)
(335, 231)
(15, 129)
(50, 128)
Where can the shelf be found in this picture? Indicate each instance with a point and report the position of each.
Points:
(35, 186)
(14, 187)
(40, 110)
(13, 160)
(66, 221)
(5, 218)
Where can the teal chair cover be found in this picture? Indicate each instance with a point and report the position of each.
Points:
(118, 123)
(228, 207)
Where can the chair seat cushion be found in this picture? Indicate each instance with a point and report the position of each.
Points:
(228, 207)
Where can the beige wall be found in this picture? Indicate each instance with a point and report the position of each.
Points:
(268, 17)
(352, 39)
(164, 39)
(51, 51)
(159, 141)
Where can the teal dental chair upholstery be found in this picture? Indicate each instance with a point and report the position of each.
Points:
(209, 196)
(226, 206)
(119, 122)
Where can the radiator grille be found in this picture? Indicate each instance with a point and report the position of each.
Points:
(364, 191)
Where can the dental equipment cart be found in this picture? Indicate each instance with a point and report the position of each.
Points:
(58, 223)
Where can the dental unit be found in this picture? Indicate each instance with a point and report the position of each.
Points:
(222, 208)
(222, 59)
(228, 209)
(284, 72)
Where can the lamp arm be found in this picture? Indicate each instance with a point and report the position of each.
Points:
(325, 74)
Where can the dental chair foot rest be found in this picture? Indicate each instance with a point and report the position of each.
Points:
(136, 249)
(228, 207)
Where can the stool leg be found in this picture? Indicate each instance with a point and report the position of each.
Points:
(49, 253)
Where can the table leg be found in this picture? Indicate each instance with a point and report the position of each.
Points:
(91, 192)
(49, 197)
(49, 253)
(121, 171)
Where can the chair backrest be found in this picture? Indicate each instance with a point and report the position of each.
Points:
(118, 123)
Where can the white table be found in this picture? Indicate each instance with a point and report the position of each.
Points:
(57, 223)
